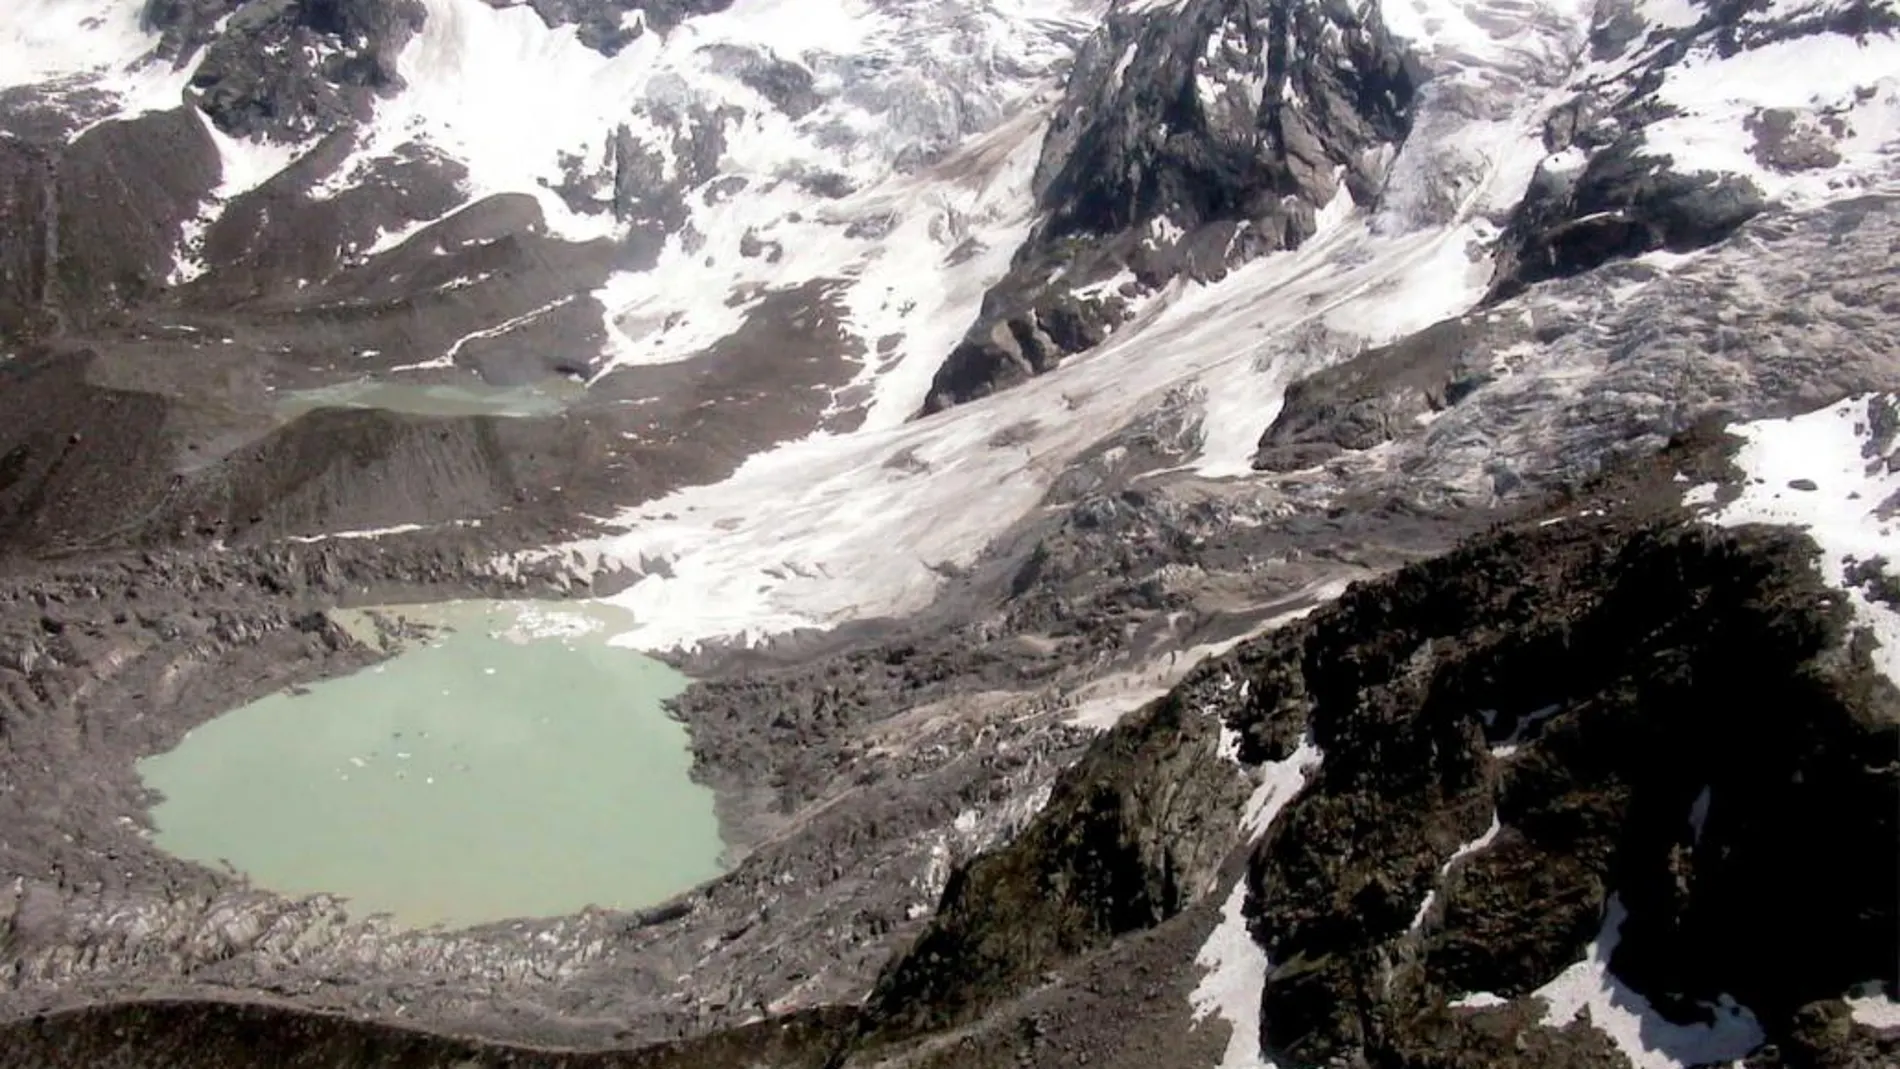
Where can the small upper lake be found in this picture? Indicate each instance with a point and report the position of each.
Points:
(471, 398)
(513, 765)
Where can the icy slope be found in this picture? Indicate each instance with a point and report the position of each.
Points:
(841, 527)
(895, 157)
(721, 148)
(96, 54)
(822, 551)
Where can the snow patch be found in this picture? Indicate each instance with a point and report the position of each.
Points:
(1699, 815)
(1828, 449)
(1236, 974)
(1647, 1039)
(1466, 850)
(97, 45)
(1670, 14)
(243, 165)
(1701, 495)
(371, 532)
(1236, 965)
(1279, 782)
(1870, 1006)
(1852, 81)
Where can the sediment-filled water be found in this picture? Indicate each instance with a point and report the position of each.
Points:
(514, 765)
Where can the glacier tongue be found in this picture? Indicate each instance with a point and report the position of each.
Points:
(838, 527)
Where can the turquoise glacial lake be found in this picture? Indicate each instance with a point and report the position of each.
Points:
(513, 765)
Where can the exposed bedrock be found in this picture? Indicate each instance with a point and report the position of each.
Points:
(1616, 184)
(1664, 717)
(1187, 142)
(288, 70)
(1660, 719)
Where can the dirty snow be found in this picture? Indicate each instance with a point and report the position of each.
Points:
(800, 536)
(1102, 702)
(1279, 782)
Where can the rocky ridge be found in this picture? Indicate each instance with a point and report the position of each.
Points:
(1190, 139)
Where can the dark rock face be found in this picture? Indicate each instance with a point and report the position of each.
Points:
(1369, 399)
(92, 227)
(1659, 718)
(1188, 142)
(87, 470)
(650, 195)
(789, 86)
(1611, 194)
(1586, 686)
(29, 206)
(1622, 204)
(289, 70)
(186, 26)
(1134, 833)
(608, 26)
(114, 250)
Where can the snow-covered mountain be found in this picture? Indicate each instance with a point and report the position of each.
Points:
(896, 356)
(853, 217)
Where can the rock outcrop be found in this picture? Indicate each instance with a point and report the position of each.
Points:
(290, 70)
(1189, 141)
(1673, 735)
(1617, 184)
(1655, 720)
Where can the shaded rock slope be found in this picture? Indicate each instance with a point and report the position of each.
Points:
(1673, 726)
